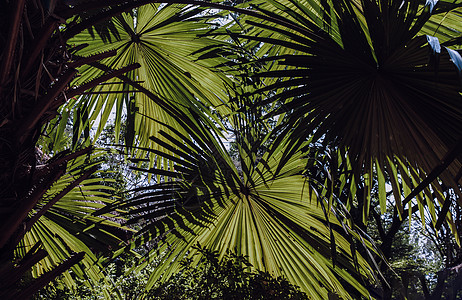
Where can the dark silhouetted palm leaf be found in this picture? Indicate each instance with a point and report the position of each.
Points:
(362, 76)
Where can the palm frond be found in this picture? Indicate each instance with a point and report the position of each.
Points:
(162, 38)
(68, 226)
(364, 77)
(247, 205)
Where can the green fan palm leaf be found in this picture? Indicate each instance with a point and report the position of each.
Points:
(69, 227)
(162, 38)
(274, 217)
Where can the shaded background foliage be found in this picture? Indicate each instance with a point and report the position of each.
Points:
(227, 278)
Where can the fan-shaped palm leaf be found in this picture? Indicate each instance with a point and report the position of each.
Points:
(275, 218)
(162, 39)
(359, 75)
(62, 222)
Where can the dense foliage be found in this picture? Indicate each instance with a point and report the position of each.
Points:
(214, 278)
(344, 119)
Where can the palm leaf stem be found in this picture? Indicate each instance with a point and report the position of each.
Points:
(12, 223)
(44, 104)
(9, 50)
(43, 280)
(111, 92)
(136, 85)
(105, 77)
(159, 101)
(33, 256)
(443, 213)
(56, 198)
(65, 156)
(80, 61)
(444, 164)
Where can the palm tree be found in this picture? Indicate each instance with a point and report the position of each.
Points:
(281, 222)
(37, 68)
(60, 233)
(362, 77)
(340, 69)
(346, 75)
(38, 74)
